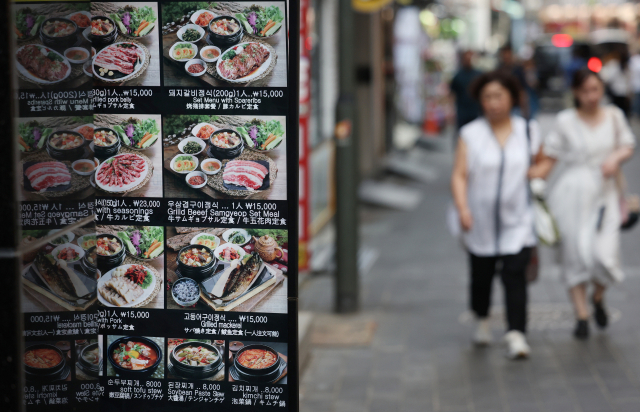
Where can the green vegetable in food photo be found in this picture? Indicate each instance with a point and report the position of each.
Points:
(261, 21)
(135, 22)
(138, 134)
(144, 242)
(262, 135)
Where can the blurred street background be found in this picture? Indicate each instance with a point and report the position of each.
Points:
(384, 314)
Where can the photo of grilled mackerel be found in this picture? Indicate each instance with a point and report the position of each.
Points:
(56, 278)
(242, 277)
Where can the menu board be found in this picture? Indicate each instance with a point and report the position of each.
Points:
(159, 196)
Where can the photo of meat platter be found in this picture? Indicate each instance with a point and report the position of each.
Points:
(57, 162)
(126, 148)
(42, 65)
(225, 157)
(128, 286)
(57, 272)
(244, 62)
(122, 172)
(119, 61)
(258, 362)
(50, 48)
(228, 43)
(249, 270)
(125, 41)
(200, 359)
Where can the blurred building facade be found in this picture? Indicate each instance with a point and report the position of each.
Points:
(406, 55)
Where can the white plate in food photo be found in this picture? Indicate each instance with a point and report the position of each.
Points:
(42, 65)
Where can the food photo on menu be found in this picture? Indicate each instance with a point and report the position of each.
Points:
(131, 266)
(241, 270)
(134, 357)
(224, 44)
(200, 359)
(128, 155)
(56, 157)
(126, 39)
(47, 362)
(225, 157)
(52, 51)
(88, 358)
(258, 362)
(58, 269)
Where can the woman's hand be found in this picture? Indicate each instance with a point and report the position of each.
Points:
(466, 220)
(610, 166)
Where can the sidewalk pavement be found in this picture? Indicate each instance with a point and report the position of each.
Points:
(420, 358)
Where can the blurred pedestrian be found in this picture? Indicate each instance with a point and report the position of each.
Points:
(490, 191)
(617, 78)
(593, 141)
(467, 108)
(634, 71)
(509, 65)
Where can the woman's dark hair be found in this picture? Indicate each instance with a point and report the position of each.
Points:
(579, 78)
(506, 80)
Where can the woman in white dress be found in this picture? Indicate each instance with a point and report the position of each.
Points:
(591, 141)
(489, 185)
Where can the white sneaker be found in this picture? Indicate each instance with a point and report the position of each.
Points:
(483, 334)
(517, 345)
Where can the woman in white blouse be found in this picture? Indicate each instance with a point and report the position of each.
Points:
(591, 141)
(490, 191)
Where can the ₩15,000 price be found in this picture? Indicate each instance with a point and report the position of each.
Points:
(135, 314)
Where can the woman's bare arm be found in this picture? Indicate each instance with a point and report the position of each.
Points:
(459, 186)
(543, 166)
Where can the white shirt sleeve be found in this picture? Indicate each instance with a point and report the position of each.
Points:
(625, 134)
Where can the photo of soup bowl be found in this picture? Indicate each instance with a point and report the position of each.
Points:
(267, 372)
(44, 362)
(185, 370)
(88, 362)
(197, 273)
(218, 152)
(66, 145)
(105, 151)
(125, 368)
(106, 262)
(106, 38)
(225, 40)
(58, 38)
